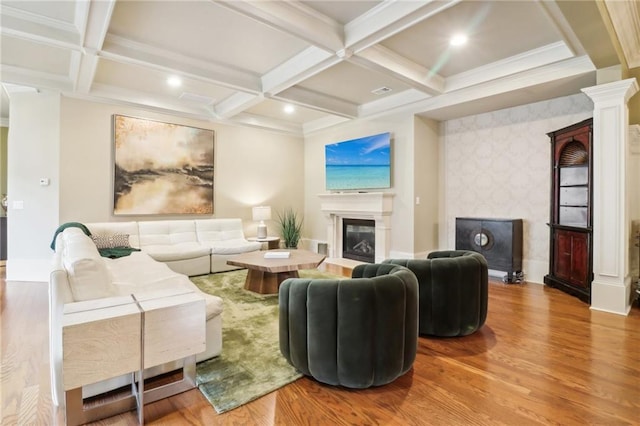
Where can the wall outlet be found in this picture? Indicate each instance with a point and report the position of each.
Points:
(417, 201)
(18, 205)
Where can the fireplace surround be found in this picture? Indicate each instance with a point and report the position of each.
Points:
(376, 206)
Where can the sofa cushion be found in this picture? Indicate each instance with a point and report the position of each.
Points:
(88, 275)
(209, 230)
(236, 246)
(139, 273)
(180, 251)
(166, 232)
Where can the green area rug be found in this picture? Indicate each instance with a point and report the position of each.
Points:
(251, 364)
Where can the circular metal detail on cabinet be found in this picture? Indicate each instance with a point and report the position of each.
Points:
(481, 239)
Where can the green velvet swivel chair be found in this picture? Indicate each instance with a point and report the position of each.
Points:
(357, 332)
(453, 287)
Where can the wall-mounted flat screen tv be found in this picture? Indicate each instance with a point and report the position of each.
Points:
(357, 164)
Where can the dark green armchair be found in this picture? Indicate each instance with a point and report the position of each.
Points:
(357, 332)
(453, 287)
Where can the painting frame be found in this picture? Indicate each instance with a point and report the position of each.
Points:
(161, 168)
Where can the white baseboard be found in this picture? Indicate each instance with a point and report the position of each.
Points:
(28, 270)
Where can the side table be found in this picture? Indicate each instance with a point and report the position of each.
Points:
(272, 243)
(101, 339)
(111, 337)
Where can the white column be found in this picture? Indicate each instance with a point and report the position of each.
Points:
(611, 286)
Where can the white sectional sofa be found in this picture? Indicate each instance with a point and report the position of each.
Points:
(170, 250)
(191, 247)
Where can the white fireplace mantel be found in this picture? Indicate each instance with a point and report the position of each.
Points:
(377, 206)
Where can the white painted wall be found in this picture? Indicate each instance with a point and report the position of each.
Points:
(33, 152)
(497, 165)
(52, 136)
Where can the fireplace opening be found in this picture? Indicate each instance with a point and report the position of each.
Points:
(359, 239)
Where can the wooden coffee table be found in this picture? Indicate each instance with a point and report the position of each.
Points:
(264, 276)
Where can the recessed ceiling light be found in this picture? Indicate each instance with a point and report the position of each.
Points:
(174, 81)
(458, 40)
(289, 109)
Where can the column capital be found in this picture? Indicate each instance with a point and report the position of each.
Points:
(611, 91)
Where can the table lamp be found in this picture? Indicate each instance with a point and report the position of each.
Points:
(262, 213)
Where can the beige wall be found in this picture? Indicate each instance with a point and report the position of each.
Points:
(497, 165)
(69, 141)
(252, 167)
(427, 185)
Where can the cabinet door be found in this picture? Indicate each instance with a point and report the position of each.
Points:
(571, 257)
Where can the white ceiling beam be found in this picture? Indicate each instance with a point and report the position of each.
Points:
(267, 123)
(93, 24)
(302, 66)
(318, 102)
(532, 59)
(379, 58)
(26, 77)
(574, 67)
(236, 103)
(167, 104)
(29, 26)
(294, 18)
(389, 18)
(391, 102)
(127, 51)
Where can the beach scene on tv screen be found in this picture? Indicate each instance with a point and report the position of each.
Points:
(363, 163)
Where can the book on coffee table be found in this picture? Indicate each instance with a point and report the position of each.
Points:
(277, 255)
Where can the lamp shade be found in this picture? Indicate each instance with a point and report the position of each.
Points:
(262, 213)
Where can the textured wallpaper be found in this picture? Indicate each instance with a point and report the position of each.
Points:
(497, 165)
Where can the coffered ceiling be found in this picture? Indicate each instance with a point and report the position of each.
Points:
(243, 61)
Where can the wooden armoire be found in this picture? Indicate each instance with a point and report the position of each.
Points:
(571, 220)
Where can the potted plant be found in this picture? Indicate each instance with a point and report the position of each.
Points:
(290, 228)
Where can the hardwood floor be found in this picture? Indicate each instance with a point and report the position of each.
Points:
(542, 357)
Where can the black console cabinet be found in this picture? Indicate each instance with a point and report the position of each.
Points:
(498, 240)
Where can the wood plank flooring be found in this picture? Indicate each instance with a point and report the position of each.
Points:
(542, 358)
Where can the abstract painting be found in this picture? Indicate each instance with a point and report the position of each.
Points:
(161, 168)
